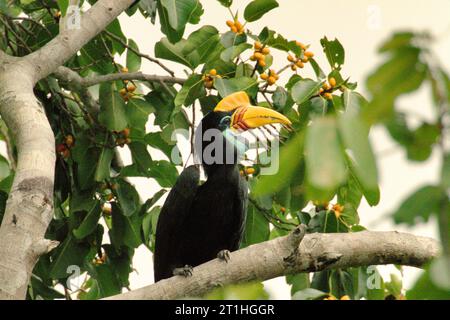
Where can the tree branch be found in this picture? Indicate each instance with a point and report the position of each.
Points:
(281, 256)
(29, 208)
(138, 53)
(73, 77)
(70, 41)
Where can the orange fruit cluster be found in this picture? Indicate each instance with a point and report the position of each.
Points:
(247, 171)
(124, 70)
(235, 26)
(208, 78)
(299, 62)
(260, 53)
(63, 148)
(123, 137)
(331, 297)
(106, 209)
(271, 77)
(338, 209)
(100, 260)
(128, 92)
(327, 88)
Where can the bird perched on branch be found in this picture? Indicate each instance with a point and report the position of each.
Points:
(201, 222)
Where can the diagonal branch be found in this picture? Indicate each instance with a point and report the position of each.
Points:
(69, 41)
(284, 255)
(67, 74)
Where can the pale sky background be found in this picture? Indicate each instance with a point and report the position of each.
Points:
(360, 26)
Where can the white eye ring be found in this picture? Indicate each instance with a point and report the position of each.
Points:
(225, 120)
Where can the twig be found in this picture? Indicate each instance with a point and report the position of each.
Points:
(142, 55)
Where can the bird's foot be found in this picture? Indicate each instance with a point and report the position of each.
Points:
(224, 255)
(185, 271)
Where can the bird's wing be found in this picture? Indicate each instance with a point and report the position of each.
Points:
(175, 209)
(240, 211)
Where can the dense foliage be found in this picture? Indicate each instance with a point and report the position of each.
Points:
(99, 217)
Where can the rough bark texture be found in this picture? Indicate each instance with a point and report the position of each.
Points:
(317, 251)
(29, 208)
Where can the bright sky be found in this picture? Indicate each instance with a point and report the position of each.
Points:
(361, 26)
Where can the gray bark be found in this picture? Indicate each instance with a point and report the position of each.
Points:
(281, 256)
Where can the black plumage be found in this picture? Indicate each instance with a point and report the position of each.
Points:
(198, 221)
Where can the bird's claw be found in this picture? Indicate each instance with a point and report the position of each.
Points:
(224, 255)
(185, 271)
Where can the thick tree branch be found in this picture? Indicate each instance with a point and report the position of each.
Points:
(69, 41)
(281, 256)
(29, 208)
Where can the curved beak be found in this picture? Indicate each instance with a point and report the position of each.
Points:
(250, 117)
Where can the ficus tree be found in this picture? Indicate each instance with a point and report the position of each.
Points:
(68, 108)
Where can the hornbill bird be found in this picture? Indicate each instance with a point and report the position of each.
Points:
(201, 222)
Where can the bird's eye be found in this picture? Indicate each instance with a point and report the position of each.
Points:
(225, 121)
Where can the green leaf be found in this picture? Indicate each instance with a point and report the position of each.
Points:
(87, 159)
(402, 73)
(290, 157)
(137, 112)
(4, 168)
(445, 171)
(129, 200)
(112, 113)
(133, 60)
(226, 3)
(355, 138)
(320, 75)
(423, 139)
(164, 173)
(232, 52)
(420, 205)
(257, 8)
(229, 39)
(173, 52)
(353, 101)
(179, 12)
(107, 281)
(192, 89)
(229, 86)
(425, 288)
(256, 227)
(325, 166)
(304, 89)
(309, 294)
(334, 51)
(114, 28)
(125, 229)
(200, 44)
(90, 221)
(398, 40)
(104, 164)
(42, 290)
(172, 35)
(298, 281)
(147, 223)
(154, 139)
(68, 253)
(62, 5)
(141, 157)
